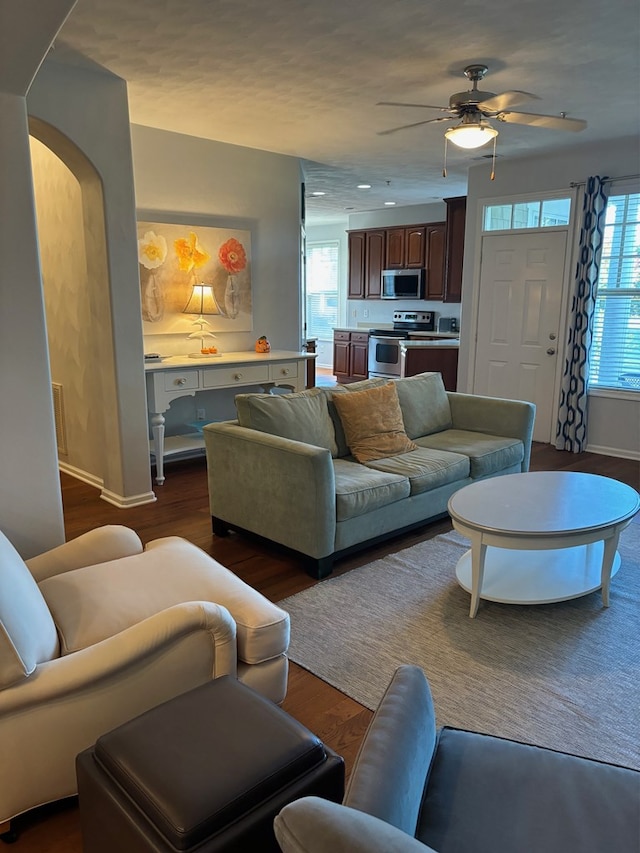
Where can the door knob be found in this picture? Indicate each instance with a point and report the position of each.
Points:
(551, 351)
(552, 336)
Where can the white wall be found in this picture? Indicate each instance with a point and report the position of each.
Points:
(82, 115)
(71, 331)
(30, 499)
(613, 423)
(212, 183)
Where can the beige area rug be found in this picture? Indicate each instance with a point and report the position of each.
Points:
(565, 675)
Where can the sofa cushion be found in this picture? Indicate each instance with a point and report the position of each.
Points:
(315, 825)
(489, 794)
(488, 454)
(425, 468)
(27, 631)
(96, 602)
(424, 403)
(363, 385)
(359, 489)
(301, 416)
(372, 421)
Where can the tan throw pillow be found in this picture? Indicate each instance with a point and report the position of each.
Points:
(373, 424)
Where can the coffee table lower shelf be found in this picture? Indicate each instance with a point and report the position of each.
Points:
(537, 577)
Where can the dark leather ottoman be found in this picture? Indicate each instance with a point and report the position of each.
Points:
(206, 771)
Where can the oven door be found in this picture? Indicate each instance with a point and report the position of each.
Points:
(384, 355)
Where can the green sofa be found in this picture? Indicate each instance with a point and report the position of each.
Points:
(283, 469)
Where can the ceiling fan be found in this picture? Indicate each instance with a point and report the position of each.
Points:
(473, 107)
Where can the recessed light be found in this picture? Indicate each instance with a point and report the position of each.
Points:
(364, 186)
(318, 193)
(390, 203)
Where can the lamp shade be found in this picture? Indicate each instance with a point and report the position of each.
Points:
(201, 301)
(471, 135)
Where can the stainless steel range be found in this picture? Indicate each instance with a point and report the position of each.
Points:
(384, 344)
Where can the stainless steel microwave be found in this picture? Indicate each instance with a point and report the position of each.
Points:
(403, 284)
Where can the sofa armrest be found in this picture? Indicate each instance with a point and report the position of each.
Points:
(494, 416)
(109, 542)
(392, 766)
(275, 487)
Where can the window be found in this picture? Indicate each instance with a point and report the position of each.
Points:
(539, 213)
(614, 360)
(322, 289)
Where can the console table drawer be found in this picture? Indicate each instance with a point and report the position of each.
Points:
(284, 370)
(181, 380)
(242, 374)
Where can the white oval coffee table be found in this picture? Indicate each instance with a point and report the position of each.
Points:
(540, 537)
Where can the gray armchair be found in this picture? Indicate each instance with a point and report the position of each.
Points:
(415, 789)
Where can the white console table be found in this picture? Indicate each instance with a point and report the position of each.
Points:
(181, 376)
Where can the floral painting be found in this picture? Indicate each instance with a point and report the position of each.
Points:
(174, 258)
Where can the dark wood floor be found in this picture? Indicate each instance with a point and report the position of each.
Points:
(182, 510)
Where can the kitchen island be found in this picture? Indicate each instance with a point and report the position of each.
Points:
(439, 356)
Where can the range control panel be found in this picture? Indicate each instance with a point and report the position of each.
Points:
(424, 320)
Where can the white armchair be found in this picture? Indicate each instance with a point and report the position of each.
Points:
(99, 630)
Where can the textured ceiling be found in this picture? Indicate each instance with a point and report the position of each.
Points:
(303, 78)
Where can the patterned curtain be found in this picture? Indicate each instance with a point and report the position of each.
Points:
(571, 430)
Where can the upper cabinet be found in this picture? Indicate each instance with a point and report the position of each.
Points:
(437, 247)
(366, 262)
(435, 237)
(357, 255)
(405, 248)
(456, 215)
(376, 243)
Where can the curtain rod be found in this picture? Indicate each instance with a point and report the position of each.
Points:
(606, 180)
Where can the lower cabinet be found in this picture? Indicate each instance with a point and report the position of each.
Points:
(350, 355)
(442, 360)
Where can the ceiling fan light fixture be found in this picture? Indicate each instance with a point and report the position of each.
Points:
(471, 135)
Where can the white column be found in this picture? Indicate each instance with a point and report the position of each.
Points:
(30, 498)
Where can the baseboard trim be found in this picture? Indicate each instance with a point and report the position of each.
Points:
(126, 503)
(613, 451)
(79, 474)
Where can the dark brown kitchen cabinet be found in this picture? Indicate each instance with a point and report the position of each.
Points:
(374, 263)
(405, 248)
(443, 360)
(456, 216)
(435, 260)
(366, 259)
(357, 254)
(350, 355)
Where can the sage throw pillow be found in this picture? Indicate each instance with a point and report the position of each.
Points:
(373, 424)
(301, 416)
(424, 404)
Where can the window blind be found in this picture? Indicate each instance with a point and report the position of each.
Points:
(614, 360)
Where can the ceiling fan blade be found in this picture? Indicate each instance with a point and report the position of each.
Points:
(415, 124)
(507, 99)
(421, 106)
(550, 122)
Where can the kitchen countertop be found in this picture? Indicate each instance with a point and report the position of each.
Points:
(360, 328)
(439, 344)
(440, 335)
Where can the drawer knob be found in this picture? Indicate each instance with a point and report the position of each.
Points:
(285, 371)
(238, 377)
(181, 381)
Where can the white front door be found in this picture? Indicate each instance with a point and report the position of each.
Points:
(520, 297)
